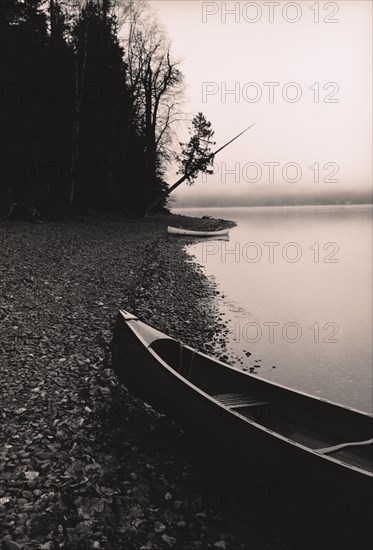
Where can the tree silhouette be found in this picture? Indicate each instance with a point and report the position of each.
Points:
(85, 122)
(195, 155)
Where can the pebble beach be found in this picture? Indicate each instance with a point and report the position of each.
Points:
(83, 463)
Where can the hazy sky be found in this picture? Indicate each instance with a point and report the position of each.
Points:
(302, 70)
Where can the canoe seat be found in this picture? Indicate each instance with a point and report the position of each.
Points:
(238, 400)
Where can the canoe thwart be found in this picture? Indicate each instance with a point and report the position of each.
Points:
(327, 450)
(290, 429)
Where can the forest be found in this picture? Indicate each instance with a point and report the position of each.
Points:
(91, 96)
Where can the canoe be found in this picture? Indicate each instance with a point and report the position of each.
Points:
(216, 238)
(262, 421)
(178, 231)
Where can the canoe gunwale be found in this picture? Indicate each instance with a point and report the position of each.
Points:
(197, 233)
(247, 374)
(216, 403)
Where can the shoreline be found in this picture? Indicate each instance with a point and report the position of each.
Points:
(81, 460)
(83, 463)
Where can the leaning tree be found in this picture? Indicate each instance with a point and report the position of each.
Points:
(196, 155)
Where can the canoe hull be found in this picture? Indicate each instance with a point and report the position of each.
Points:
(190, 232)
(257, 454)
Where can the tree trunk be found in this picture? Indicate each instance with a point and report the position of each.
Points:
(52, 18)
(149, 125)
(76, 133)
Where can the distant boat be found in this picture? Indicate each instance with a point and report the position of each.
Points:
(271, 424)
(178, 231)
(216, 238)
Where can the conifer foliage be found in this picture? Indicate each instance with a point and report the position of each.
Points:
(76, 130)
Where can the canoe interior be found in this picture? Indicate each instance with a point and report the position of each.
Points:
(305, 420)
(235, 408)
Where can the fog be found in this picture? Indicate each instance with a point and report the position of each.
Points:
(266, 195)
(302, 71)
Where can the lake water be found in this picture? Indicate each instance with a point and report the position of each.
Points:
(296, 291)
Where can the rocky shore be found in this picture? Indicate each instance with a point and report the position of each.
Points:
(83, 464)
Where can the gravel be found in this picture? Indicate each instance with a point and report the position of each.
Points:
(84, 464)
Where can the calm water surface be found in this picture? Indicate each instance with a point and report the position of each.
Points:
(296, 286)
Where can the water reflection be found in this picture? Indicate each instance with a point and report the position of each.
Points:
(298, 287)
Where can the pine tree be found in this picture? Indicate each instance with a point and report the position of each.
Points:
(195, 156)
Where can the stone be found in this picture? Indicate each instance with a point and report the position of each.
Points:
(11, 545)
(159, 527)
(170, 541)
(182, 524)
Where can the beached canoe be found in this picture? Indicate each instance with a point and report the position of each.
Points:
(269, 423)
(178, 231)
